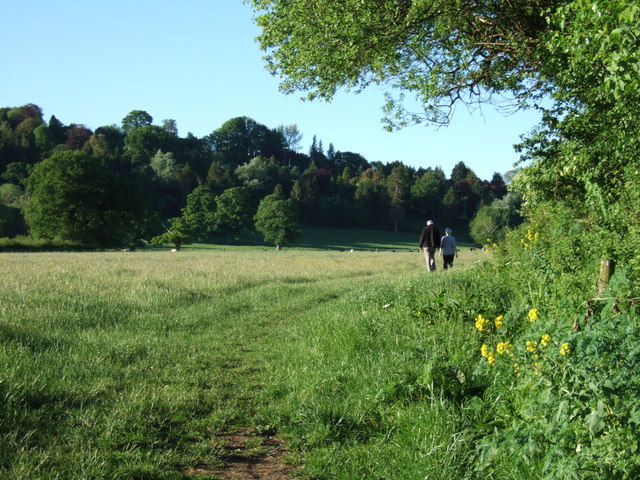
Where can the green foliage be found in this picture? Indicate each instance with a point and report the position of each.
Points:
(277, 220)
(200, 212)
(165, 167)
(178, 233)
(11, 221)
(22, 243)
(233, 211)
(427, 192)
(491, 222)
(440, 55)
(75, 198)
(143, 142)
(136, 119)
(336, 189)
(585, 153)
(11, 194)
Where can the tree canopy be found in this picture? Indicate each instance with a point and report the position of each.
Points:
(75, 198)
(440, 52)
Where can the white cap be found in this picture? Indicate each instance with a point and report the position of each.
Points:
(429, 222)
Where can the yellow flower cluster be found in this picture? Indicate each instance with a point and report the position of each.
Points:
(482, 324)
(504, 347)
(537, 349)
(489, 355)
(530, 238)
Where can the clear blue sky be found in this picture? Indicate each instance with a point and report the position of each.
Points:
(197, 62)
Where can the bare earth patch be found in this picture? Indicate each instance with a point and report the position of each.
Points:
(249, 456)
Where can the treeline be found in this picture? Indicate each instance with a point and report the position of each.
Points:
(122, 185)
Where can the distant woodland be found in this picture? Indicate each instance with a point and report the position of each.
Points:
(127, 184)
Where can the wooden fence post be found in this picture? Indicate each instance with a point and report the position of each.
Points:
(606, 270)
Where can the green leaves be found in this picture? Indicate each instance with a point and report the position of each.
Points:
(440, 52)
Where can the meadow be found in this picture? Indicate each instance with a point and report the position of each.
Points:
(134, 365)
(127, 364)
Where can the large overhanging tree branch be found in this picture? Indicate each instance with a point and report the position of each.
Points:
(442, 52)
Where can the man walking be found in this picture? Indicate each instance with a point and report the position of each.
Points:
(429, 243)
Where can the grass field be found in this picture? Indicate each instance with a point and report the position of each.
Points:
(127, 365)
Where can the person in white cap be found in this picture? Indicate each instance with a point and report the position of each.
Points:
(448, 249)
(429, 243)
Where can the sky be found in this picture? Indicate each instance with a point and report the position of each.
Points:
(197, 62)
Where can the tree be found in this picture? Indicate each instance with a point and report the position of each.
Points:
(356, 162)
(491, 221)
(142, 143)
(136, 119)
(461, 172)
(217, 178)
(316, 153)
(77, 136)
(57, 129)
(585, 155)
(254, 174)
(398, 186)
(11, 194)
(200, 212)
(44, 138)
(441, 52)
(427, 192)
(75, 198)
(165, 167)
(17, 172)
(170, 126)
(242, 138)
(277, 219)
(452, 205)
(371, 193)
(11, 221)
(291, 135)
(178, 233)
(234, 211)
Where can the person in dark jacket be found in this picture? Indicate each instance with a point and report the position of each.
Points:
(429, 243)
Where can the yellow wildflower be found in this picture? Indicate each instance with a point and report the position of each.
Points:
(484, 350)
(504, 347)
(531, 346)
(532, 236)
(564, 348)
(481, 323)
(536, 369)
(545, 340)
(516, 368)
(499, 321)
(533, 314)
(491, 358)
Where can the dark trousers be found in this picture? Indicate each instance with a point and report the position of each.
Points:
(447, 261)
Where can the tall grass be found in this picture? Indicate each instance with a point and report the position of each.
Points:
(126, 365)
